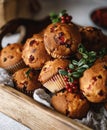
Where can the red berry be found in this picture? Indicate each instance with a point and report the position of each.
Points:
(63, 21)
(69, 71)
(66, 79)
(70, 90)
(63, 17)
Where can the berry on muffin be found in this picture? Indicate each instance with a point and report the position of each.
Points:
(34, 53)
(50, 77)
(26, 80)
(61, 40)
(11, 57)
(93, 83)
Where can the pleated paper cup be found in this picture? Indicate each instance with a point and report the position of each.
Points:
(55, 84)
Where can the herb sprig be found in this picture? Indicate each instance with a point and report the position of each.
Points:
(28, 72)
(76, 68)
(62, 17)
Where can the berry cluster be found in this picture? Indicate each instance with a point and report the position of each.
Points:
(62, 17)
(72, 87)
(66, 18)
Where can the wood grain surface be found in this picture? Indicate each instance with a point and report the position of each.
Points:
(33, 114)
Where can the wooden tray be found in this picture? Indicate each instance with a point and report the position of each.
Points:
(33, 114)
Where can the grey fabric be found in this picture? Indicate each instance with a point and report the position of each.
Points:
(7, 123)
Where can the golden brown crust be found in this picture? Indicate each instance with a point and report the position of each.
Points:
(95, 85)
(51, 68)
(10, 55)
(61, 40)
(34, 53)
(26, 81)
(70, 104)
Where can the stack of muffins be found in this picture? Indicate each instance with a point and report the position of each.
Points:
(37, 63)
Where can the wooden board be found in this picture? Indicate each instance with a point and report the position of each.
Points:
(33, 114)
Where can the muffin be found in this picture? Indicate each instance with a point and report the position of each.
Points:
(61, 40)
(101, 59)
(93, 83)
(70, 104)
(93, 38)
(50, 77)
(26, 80)
(34, 53)
(11, 57)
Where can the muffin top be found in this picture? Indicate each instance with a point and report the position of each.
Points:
(51, 68)
(93, 38)
(34, 53)
(61, 40)
(70, 104)
(93, 83)
(26, 79)
(11, 54)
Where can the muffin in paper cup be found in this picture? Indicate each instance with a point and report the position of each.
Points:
(55, 84)
(50, 77)
(11, 57)
(61, 40)
(26, 80)
(12, 69)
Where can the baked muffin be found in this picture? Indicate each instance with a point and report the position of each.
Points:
(34, 53)
(93, 83)
(26, 80)
(61, 40)
(93, 38)
(101, 59)
(11, 57)
(70, 104)
(50, 77)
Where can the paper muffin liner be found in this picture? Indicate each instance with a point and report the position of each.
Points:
(55, 84)
(27, 92)
(13, 68)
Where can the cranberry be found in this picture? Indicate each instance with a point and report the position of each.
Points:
(69, 71)
(63, 17)
(66, 79)
(4, 59)
(63, 21)
(31, 58)
(32, 42)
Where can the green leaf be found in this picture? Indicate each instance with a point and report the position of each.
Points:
(76, 74)
(70, 79)
(102, 52)
(92, 59)
(81, 70)
(55, 20)
(92, 53)
(85, 66)
(81, 48)
(69, 74)
(28, 73)
(63, 72)
(85, 56)
(81, 62)
(62, 13)
(74, 62)
(71, 66)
